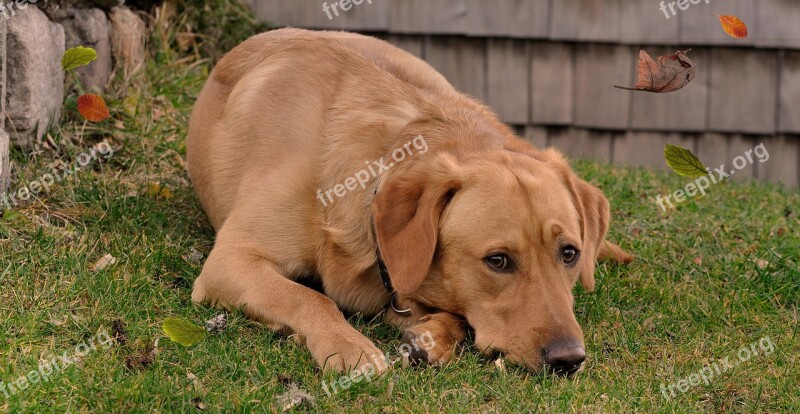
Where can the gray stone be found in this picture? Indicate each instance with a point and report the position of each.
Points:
(127, 39)
(5, 164)
(107, 4)
(4, 138)
(35, 80)
(3, 76)
(89, 28)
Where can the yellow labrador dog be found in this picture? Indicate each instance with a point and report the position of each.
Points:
(338, 160)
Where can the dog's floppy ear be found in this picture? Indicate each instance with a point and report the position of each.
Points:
(407, 210)
(594, 213)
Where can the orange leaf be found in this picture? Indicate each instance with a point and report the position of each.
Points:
(93, 107)
(733, 26)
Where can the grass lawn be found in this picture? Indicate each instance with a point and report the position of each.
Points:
(712, 277)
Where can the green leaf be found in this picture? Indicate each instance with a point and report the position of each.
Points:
(683, 162)
(184, 331)
(77, 57)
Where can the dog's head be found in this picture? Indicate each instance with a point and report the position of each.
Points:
(499, 238)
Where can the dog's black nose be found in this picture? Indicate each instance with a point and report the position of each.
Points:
(564, 357)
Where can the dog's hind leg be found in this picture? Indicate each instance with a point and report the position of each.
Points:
(610, 251)
(240, 276)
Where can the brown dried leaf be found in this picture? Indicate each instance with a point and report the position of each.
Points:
(102, 263)
(120, 334)
(294, 398)
(668, 74)
(500, 364)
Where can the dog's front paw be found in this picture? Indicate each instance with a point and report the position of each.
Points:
(346, 350)
(434, 339)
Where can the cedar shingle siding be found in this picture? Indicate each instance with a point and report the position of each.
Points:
(548, 66)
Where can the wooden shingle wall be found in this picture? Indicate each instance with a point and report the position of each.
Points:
(548, 66)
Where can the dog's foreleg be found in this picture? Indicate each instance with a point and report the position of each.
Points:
(236, 276)
(435, 337)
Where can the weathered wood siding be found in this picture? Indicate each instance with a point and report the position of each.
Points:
(548, 66)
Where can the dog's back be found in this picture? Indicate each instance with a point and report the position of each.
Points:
(288, 64)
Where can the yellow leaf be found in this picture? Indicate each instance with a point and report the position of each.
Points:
(156, 190)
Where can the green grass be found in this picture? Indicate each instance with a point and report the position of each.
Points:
(711, 277)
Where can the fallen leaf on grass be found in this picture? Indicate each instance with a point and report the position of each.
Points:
(217, 324)
(104, 262)
(284, 379)
(199, 404)
(390, 388)
(194, 256)
(668, 74)
(183, 331)
(733, 26)
(500, 364)
(142, 358)
(683, 162)
(649, 324)
(294, 398)
(157, 190)
(93, 107)
(120, 334)
(130, 105)
(196, 384)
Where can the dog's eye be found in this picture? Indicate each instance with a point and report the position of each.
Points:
(569, 254)
(500, 262)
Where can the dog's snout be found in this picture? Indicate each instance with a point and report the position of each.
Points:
(564, 357)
